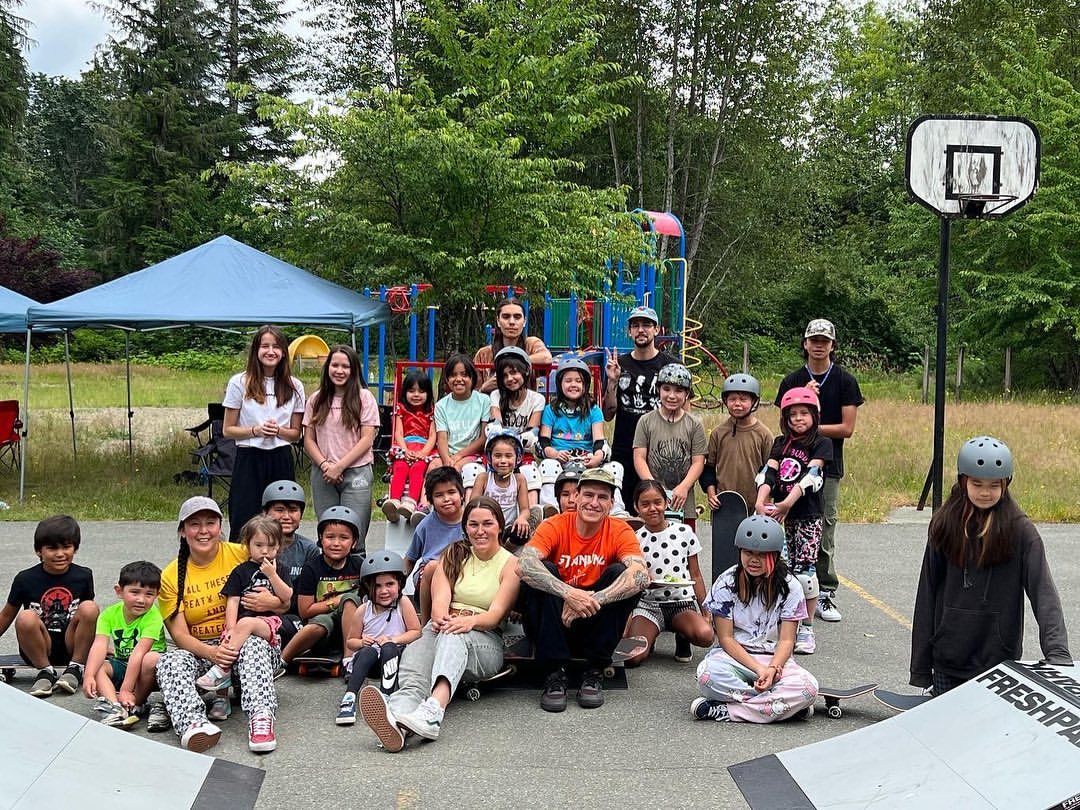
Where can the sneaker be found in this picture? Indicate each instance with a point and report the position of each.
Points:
(420, 513)
(280, 671)
(220, 708)
(44, 684)
(157, 719)
(261, 737)
(804, 640)
(553, 698)
(377, 715)
(591, 693)
(346, 713)
(391, 508)
(426, 720)
(71, 679)
(118, 717)
(804, 714)
(103, 704)
(215, 678)
(826, 609)
(406, 509)
(200, 737)
(705, 709)
(684, 653)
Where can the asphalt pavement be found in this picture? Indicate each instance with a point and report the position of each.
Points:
(641, 749)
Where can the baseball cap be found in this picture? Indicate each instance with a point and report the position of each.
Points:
(199, 503)
(598, 475)
(643, 313)
(819, 327)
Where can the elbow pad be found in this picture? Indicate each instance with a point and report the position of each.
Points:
(708, 478)
(770, 478)
(813, 480)
(544, 442)
(598, 444)
(759, 479)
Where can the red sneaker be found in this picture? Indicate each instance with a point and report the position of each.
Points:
(261, 737)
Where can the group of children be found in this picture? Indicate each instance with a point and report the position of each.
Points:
(755, 616)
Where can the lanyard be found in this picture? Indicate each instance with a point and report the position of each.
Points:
(821, 382)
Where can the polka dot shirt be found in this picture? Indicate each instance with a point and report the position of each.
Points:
(667, 553)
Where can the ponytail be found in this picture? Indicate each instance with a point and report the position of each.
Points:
(181, 574)
(454, 559)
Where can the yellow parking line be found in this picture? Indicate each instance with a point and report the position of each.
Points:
(888, 610)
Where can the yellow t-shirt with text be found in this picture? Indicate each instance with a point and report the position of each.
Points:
(203, 606)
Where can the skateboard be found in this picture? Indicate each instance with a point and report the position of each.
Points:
(725, 521)
(327, 666)
(627, 648)
(898, 702)
(10, 664)
(834, 696)
(472, 691)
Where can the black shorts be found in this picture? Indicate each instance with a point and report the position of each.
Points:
(59, 654)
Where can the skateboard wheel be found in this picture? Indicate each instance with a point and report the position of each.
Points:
(304, 670)
(609, 671)
(473, 694)
(835, 712)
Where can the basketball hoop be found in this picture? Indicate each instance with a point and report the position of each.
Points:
(397, 298)
(974, 206)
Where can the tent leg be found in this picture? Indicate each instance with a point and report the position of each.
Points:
(71, 397)
(130, 413)
(25, 420)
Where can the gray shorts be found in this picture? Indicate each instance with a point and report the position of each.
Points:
(661, 613)
(331, 622)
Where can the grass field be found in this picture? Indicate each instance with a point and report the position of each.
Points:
(887, 459)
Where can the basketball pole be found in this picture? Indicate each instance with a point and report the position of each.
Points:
(934, 477)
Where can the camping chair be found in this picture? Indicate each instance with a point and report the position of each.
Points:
(10, 433)
(215, 454)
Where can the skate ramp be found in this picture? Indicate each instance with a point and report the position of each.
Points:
(1007, 739)
(50, 757)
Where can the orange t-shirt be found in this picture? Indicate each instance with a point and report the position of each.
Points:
(581, 562)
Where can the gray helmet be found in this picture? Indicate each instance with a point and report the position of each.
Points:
(741, 383)
(760, 533)
(340, 514)
(570, 474)
(382, 562)
(513, 353)
(285, 491)
(985, 457)
(573, 364)
(644, 314)
(675, 374)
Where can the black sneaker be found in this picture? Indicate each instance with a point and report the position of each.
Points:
(44, 683)
(591, 693)
(553, 698)
(70, 680)
(684, 653)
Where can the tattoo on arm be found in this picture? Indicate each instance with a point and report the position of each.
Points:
(536, 575)
(630, 582)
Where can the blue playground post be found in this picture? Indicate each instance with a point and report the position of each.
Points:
(412, 325)
(431, 339)
(382, 348)
(367, 344)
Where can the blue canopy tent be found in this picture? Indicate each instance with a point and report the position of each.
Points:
(223, 283)
(13, 308)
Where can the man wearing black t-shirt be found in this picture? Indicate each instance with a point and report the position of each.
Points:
(631, 391)
(840, 399)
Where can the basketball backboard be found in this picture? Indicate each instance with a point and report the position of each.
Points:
(973, 166)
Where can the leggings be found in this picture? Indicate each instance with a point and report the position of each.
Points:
(178, 669)
(412, 473)
(367, 659)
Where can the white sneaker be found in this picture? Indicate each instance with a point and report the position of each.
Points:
(200, 737)
(826, 609)
(805, 644)
(426, 720)
(215, 678)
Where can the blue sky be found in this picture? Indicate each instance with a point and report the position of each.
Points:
(65, 34)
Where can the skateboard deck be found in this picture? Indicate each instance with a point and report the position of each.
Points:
(472, 690)
(725, 521)
(327, 666)
(898, 702)
(12, 663)
(833, 697)
(627, 648)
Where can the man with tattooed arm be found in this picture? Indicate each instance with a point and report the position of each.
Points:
(581, 573)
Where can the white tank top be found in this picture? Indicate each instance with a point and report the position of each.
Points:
(505, 497)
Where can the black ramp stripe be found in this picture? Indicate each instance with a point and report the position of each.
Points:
(229, 786)
(766, 785)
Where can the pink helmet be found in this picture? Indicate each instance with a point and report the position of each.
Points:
(800, 396)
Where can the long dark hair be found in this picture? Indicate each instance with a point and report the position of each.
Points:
(350, 397)
(497, 340)
(458, 552)
(772, 588)
(506, 396)
(283, 387)
(415, 378)
(448, 367)
(181, 574)
(583, 405)
(961, 531)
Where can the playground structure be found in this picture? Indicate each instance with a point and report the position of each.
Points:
(577, 324)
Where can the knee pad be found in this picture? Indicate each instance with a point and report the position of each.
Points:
(616, 470)
(530, 440)
(469, 473)
(549, 470)
(809, 584)
(606, 450)
(532, 476)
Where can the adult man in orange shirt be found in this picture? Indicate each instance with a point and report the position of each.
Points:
(582, 573)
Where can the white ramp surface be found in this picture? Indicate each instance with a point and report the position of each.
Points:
(50, 757)
(1007, 739)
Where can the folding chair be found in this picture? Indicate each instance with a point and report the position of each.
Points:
(10, 433)
(215, 455)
